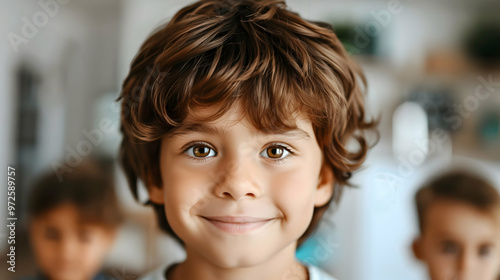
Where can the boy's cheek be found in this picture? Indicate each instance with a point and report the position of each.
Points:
(496, 262)
(189, 195)
(437, 261)
(93, 257)
(41, 244)
(294, 185)
(440, 267)
(293, 195)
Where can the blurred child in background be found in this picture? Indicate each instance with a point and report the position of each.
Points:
(72, 223)
(459, 219)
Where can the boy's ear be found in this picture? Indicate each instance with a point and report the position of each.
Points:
(155, 192)
(416, 247)
(324, 190)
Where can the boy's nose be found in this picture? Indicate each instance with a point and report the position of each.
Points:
(465, 266)
(67, 250)
(237, 180)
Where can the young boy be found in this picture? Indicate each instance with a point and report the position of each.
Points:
(72, 223)
(236, 116)
(459, 218)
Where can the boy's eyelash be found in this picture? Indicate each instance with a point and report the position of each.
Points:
(273, 144)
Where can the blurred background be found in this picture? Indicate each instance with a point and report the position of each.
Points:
(433, 70)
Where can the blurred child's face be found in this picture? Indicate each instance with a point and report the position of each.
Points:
(273, 180)
(460, 242)
(64, 248)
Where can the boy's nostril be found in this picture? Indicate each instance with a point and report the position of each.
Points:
(229, 195)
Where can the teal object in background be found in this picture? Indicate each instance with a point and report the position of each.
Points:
(305, 252)
(489, 128)
(320, 248)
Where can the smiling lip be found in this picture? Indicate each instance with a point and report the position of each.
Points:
(240, 224)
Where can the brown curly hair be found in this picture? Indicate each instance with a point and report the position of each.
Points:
(276, 63)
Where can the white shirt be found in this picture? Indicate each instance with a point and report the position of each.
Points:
(315, 273)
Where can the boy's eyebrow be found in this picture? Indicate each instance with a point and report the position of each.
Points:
(211, 129)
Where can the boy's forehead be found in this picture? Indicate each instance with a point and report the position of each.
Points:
(452, 215)
(234, 114)
(213, 129)
(200, 122)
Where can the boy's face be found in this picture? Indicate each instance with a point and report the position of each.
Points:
(67, 249)
(459, 242)
(235, 172)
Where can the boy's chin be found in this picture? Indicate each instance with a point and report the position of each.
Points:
(238, 256)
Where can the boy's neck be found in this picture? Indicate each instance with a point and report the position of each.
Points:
(283, 265)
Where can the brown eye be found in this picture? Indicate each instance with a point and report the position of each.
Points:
(200, 151)
(450, 248)
(484, 251)
(275, 152)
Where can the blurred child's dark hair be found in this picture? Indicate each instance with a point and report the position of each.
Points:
(459, 186)
(275, 63)
(89, 187)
